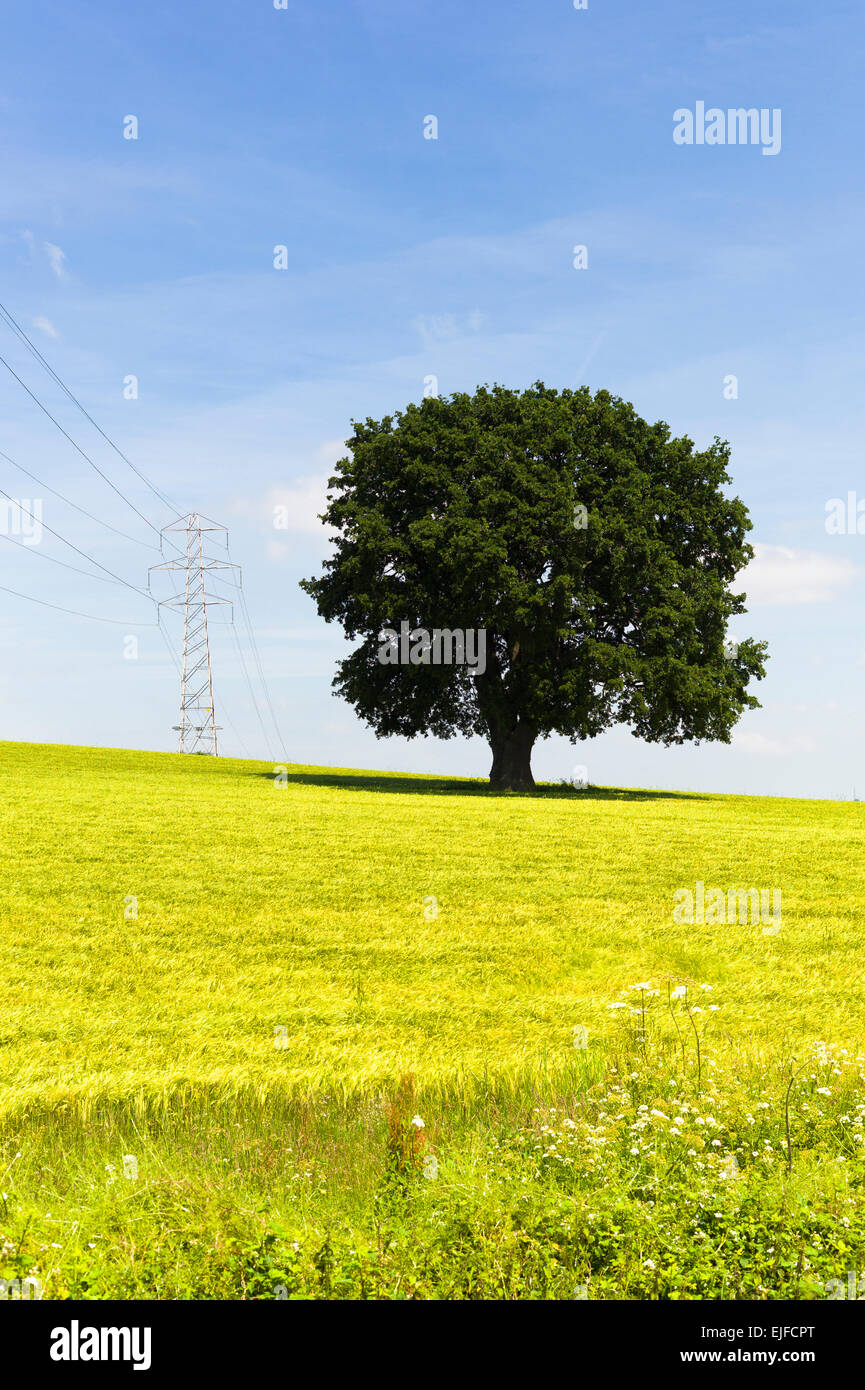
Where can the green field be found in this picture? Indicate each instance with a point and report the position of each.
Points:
(204, 1099)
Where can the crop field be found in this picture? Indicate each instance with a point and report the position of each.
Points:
(337, 1034)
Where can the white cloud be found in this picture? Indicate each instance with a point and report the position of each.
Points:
(762, 746)
(287, 509)
(294, 507)
(56, 259)
(297, 507)
(46, 326)
(781, 575)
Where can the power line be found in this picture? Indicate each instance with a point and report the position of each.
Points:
(249, 684)
(120, 622)
(135, 540)
(257, 658)
(227, 717)
(78, 447)
(16, 328)
(82, 553)
(54, 561)
(168, 646)
(72, 611)
(244, 608)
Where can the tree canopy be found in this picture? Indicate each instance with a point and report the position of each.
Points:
(594, 552)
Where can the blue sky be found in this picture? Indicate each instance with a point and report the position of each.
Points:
(410, 257)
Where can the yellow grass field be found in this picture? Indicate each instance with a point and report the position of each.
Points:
(182, 935)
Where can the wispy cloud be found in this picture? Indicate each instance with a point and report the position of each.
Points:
(439, 328)
(781, 575)
(56, 258)
(45, 326)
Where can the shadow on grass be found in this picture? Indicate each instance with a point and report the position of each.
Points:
(398, 784)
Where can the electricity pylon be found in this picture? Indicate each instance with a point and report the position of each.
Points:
(197, 728)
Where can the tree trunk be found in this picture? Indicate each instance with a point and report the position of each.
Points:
(512, 759)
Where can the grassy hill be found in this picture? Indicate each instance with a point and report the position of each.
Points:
(215, 979)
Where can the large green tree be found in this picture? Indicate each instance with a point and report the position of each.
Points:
(594, 550)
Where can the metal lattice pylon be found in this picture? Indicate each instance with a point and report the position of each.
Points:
(197, 729)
